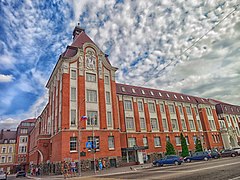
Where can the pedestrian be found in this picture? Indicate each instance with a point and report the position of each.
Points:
(65, 170)
(100, 165)
(73, 168)
(96, 165)
(36, 171)
(104, 163)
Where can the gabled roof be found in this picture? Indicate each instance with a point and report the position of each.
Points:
(7, 135)
(137, 91)
(29, 120)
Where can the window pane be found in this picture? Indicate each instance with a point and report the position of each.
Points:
(142, 123)
(145, 141)
(109, 119)
(161, 107)
(157, 142)
(91, 96)
(183, 124)
(178, 141)
(174, 124)
(108, 101)
(73, 94)
(92, 118)
(128, 105)
(73, 143)
(129, 123)
(140, 106)
(192, 125)
(151, 107)
(165, 125)
(131, 142)
(106, 79)
(171, 108)
(154, 124)
(189, 110)
(111, 142)
(90, 77)
(73, 117)
(73, 74)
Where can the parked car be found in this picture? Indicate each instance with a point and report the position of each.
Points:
(228, 153)
(237, 149)
(215, 154)
(21, 174)
(203, 155)
(3, 175)
(170, 159)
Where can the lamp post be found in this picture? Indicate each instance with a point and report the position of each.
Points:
(93, 143)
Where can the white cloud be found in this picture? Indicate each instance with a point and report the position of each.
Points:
(6, 78)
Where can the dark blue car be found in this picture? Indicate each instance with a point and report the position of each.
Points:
(171, 159)
(197, 156)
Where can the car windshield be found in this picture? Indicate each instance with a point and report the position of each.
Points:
(1, 172)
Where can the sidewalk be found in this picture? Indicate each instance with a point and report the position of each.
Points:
(91, 174)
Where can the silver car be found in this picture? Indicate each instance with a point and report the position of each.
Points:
(3, 175)
(237, 149)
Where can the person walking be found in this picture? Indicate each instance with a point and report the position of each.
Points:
(65, 169)
(73, 168)
(100, 165)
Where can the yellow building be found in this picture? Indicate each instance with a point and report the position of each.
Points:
(7, 150)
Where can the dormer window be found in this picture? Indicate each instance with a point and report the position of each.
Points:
(151, 93)
(237, 110)
(225, 108)
(133, 90)
(188, 98)
(160, 94)
(168, 95)
(232, 109)
(123, 89)
(175, 96)
(143, 92)
(182, 97)
(202, 100)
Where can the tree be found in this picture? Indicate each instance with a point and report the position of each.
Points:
(198, 145)
(185, 151)
(170, 149)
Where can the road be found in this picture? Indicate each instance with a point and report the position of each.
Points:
(218, 169)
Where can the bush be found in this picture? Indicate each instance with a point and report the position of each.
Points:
(170, 149)
(198, 146)
(185, 151)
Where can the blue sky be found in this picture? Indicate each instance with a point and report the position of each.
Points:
(145, 40)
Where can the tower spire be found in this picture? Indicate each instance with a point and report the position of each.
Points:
(77, 30)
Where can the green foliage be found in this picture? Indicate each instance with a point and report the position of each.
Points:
(170, 149)
(198, 145)
(185, 151)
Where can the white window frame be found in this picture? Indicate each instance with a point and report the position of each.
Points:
(130, 123)
(111, 144)
(91, 96)
(157, 141)
(128, 105)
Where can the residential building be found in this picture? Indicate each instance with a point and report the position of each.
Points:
(7, 150)
(22, 144)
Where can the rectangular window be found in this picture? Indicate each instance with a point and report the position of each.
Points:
(162, 108)
(131, 142)
(178, 140)
(24, 131)
(10, 149)
(95, 142)
(167, 139)
(174, 124)
(106, 79)
(9, 159)
(128, 105)
(111, 142)
(90, 77)
(73, 117)
(12, 141)
(209, 111)
(154, 124)
(92, 118)
(151, 107)
(3, 159)
(129, 123)
(140, 106)
(73, 94)
(73, 74)
(188, 108)
(196, 111)
(22, 149)
(108, 100)
(183, 124)
(142, 123)
(212, 124)
(91, 96)
(4, 150)
(73, 143)
(109, 119)
(180, 109)
(171, 108)
(199, 124)
(191, 124)
(165, 125)
(157, 142)
(145, 141)
(23, 139)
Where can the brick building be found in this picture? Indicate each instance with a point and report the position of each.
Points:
(7, 150)
(129, 124)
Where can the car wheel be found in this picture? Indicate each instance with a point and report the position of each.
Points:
(157, 164)
(205, 159)
(175, 162)
(188, 160)
(233, 155)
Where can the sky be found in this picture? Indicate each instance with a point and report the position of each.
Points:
(185, 46)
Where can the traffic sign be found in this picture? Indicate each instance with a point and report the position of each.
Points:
(89, 144)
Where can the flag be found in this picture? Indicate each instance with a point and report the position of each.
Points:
(84, 118)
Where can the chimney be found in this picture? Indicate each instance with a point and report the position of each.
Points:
(77, 30)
